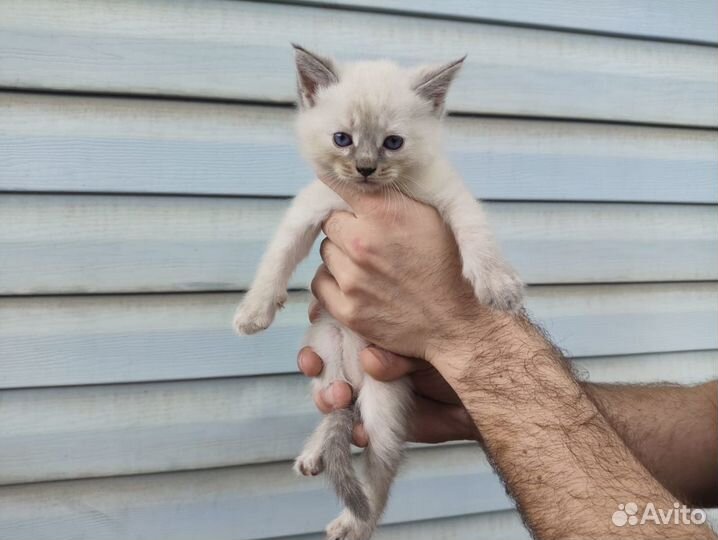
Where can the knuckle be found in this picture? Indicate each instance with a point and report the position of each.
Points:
(352, 282)
(323, 249)
(360, 250)
(350, 313)
(331, 225)
(314, 286)
(353, 279)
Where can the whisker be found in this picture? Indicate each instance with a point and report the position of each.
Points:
(406, 191)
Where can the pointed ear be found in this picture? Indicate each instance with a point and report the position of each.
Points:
(313, 72)
(432, 82)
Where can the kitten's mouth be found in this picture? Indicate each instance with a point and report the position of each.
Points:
(371, 183)
(373, 180)
(368, 184)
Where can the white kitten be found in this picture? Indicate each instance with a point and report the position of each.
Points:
(369, 124)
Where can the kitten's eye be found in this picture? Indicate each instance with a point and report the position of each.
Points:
(342, 139)
(393, 142)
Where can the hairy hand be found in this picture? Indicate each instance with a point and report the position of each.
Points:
(392, 273)
(438, 415)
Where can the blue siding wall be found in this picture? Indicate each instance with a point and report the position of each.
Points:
(146, 154)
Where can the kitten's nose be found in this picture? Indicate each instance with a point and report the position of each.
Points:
(365, 171)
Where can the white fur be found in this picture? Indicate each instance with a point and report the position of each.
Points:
(371, 100)
(291, 244)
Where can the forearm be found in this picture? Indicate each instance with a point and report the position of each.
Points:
(561, 459)
(671, 429)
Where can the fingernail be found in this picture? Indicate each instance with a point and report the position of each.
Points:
(336, 397)
(329, 395)
(359, 435)
(300, 360)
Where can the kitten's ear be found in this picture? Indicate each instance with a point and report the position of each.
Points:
(432, 82)
(313, 72)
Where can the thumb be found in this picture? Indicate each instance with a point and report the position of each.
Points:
(385, 366)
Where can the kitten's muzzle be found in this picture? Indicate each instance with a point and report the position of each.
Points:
(366, 171)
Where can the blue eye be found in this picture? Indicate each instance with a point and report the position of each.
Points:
(393, 142)
(342, 139)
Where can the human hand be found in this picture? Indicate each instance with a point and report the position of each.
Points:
(392, 273)
(438, 415)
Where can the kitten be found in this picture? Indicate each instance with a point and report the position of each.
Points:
(369, 124)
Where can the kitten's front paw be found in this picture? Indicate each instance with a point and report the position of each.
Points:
(309, 464)
(500, 288)
(254, 314)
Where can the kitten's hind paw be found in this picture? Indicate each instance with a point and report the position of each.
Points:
(309, 464)
(254, 315)
(347, 527)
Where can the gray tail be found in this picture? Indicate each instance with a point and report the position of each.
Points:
(338, 463)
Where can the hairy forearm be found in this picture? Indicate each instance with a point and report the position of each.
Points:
(671, 429)
(563, 462)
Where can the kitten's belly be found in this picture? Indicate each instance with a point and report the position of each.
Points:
(340, 351)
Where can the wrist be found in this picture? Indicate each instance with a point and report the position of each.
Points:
(453, 344)
(475, 342)
(500, 355)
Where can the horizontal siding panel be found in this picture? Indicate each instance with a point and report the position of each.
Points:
(54, 143)
(678, 367)
(110, 244)
(95, 431)
(664, 19)
(76, 451)
(239, 50)
(503, 525)
(101, 339)
(238, 503)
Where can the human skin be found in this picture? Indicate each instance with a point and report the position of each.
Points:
(672, 429)
(392, 273)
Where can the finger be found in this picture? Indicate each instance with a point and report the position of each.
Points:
(326, 289)
(338, 263)
(320, 402)
(315, 311)
(309, 362)
(435, 422)
(341, 227)
(359, 436)
(431, 423)
(338, 395)
(431, 384)
(386, 366)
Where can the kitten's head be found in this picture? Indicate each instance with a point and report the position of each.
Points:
(369, 123)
